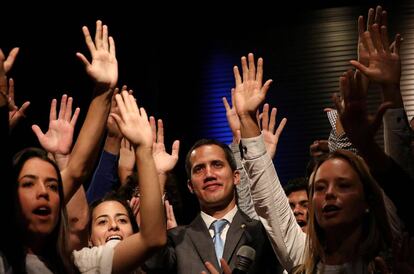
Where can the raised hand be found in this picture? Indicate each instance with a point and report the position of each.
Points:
(377, 16)
(270, 134)
(7, 88)
(126, 161)
(15, 113)
(104, 67)
(169, 212)
(9, 61)
(112, 127)
(135, 204)
(58, 138)
(232, 118)
(359, 126)
(133, 121)
(249, 91)
(164, 162)
(379, 61)
(318, 148)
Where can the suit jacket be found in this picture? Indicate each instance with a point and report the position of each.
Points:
(190, 246)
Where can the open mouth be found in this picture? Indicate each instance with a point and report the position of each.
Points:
(42, 211)
(330, 208)
(114, 237)
(301, 223)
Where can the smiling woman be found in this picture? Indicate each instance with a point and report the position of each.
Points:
(111, 218)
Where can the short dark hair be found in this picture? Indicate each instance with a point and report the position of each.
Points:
(205, 142)
(296, 184)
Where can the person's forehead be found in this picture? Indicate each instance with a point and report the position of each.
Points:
(298, 194)
(109, 208)
(210, 151)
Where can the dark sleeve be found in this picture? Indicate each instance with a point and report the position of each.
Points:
(165, 260)
(105, 178)
(266, 261)
(396, 183)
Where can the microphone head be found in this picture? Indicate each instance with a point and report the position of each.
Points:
(245, 258)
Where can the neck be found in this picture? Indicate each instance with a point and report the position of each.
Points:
(342, 245)
(218, 212)
(35, 245)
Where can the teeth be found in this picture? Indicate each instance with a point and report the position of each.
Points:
(114, 237)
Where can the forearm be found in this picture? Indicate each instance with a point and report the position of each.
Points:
(112, 145)
(86, 148)
(162, 179)
(272, 205)
(78, 217)
(392, 93)
(244, 199)
(133, 251)
(153, 227)
(248, 126)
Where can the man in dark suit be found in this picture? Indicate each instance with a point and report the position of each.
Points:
(212, 173)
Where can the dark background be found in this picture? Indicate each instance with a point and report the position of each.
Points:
(173, 55)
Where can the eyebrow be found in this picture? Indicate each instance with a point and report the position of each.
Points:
(107, 216)
(31, 176)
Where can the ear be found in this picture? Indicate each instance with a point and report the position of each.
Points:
(236, 177)
(190, 186)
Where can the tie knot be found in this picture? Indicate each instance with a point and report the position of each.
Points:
(219, 225)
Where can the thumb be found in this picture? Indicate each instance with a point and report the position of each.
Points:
(39, 134)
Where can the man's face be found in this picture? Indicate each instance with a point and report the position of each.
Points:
(298, 201)
(212, 179)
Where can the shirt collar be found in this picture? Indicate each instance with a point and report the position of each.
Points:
(208, 220)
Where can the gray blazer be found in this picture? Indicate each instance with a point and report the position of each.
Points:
(190, 246)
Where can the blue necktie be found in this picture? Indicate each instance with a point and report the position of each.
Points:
(218, 227)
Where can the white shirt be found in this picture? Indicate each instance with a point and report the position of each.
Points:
(35, 266)
(97, 259)
(208, 220)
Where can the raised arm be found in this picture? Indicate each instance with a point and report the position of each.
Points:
(271, 134)
(164, 162)
(384, 68)
(244, 198)
(270, 201)
(132, 251)
(105, 177)
(15, 113)
(103, 70)
(59, 136)
(361, 128)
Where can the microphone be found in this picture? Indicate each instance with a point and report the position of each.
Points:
(245, 258)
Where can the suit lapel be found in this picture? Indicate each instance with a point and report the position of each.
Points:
(202, 241)
(234, 236)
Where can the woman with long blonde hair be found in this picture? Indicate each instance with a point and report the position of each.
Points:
(348, 224)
